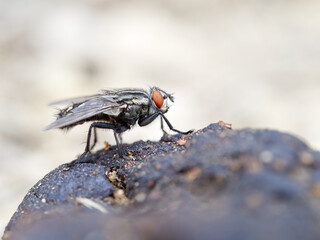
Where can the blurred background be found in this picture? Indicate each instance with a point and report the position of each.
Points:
(251, 63)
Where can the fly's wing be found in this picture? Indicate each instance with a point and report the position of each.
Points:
(95, 105)
(75, 100)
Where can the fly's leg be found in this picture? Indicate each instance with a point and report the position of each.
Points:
(145, 121)
(104, 125)
(164, 131)
(119, 148)
(118, 144)
(171, 127)
(95, 138)
(94, 126)
(120, 138)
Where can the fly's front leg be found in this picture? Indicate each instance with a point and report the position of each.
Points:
(147, 120)
(164, 131)
(171, 127)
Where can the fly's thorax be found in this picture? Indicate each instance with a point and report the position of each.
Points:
(135, 108)
(160, 100)
(142, 101)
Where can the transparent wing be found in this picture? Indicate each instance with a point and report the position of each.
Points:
(94, 105)
(75, 100)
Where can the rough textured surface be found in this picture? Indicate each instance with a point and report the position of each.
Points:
(216, 182)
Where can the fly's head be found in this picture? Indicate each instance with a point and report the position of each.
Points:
(161, 101)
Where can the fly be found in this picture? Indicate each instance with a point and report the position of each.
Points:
(117, 110)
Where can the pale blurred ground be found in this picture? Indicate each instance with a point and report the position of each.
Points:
(252, 63)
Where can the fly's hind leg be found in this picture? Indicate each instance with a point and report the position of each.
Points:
(93, 126)
(104, 125)
(95, 138)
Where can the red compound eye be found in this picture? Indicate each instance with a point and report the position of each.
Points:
(157, 98)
